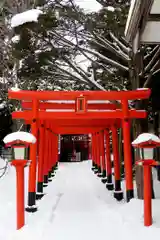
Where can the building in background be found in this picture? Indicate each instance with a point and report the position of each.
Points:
(74, 148)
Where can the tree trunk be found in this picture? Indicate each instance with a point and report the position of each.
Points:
(157, 150)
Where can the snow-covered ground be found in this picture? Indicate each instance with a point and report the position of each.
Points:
(77, 206)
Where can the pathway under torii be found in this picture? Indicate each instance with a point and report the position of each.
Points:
(78, 112)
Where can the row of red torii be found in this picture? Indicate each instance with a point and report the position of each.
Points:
(78, 112)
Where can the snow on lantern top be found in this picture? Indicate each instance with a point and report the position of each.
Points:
(24, 17)
(146, 140)
(24, 137)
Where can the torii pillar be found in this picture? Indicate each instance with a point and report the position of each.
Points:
(33, 166)
(127, 151)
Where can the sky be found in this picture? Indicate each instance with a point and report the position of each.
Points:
(89, 5)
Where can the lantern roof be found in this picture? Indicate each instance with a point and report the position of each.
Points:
(19, 136)
(146, 140)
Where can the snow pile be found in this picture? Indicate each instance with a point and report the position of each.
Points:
(140, 89)
(24, 17)
(60, 101)
(2, 105)
(89, 5)
(15, 89)
(60, 110)
(110, 8)
(146, 137)
(15, 39)
(19, 136)
(81, 205)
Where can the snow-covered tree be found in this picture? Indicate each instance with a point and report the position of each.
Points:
(44, 57)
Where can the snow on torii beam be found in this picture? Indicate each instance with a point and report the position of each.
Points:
(72, 95)
(110, 114)
(49, 105)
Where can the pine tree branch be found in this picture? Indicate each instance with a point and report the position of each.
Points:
(149, 54)
(107, 69)
(126, 49)
(157, 71)
(93, 52)
(148, 67)
(107, 45)
(68, 73)
(101, 2)
(106, 59)
(149, 79)
(85, 79)
(84, 75)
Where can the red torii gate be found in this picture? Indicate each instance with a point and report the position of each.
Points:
(85, 118)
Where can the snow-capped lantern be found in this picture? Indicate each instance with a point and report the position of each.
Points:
(146, 142)
(19, 141)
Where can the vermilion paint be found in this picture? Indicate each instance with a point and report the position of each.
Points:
(19, 165)
(147, 195)
(43, 106)
(72, 95)
(115, 153)
(127, 150)
(102, 151)
(110, 114)
(41, 152)
(45, 169)
(108, 153)
(33, 158)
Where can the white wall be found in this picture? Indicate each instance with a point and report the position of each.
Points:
(155, 7)
(151, 32)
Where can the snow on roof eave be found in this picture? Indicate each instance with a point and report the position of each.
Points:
(132, 18)
(19, 136)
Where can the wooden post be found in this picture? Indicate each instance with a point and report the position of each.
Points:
(127, 151)
(93, 152)
(109, 184)
(50, 155)
(33, 166)
(40, 194)
(147, 196)
(19, 165)
(45, 174)
(102, 155)
(98, 153)
(118, 194)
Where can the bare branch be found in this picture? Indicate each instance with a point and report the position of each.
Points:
(84, 75)
(126, 49)
(108, 46)
(149, 79)
(148, 67)
(109, 61)
(149, 54)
